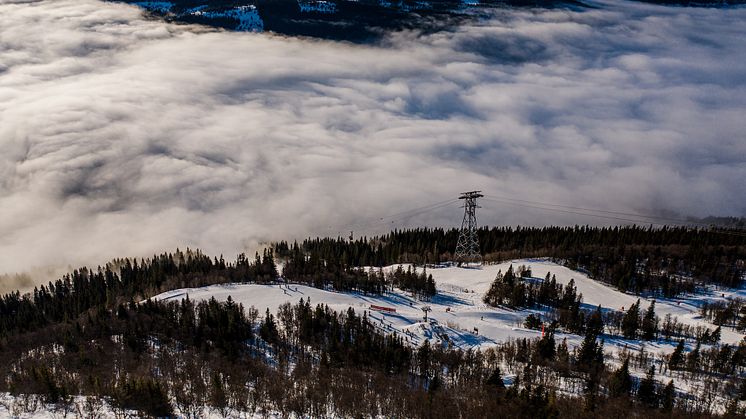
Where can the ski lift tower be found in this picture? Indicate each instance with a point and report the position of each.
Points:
(425, 309)
(467, 248)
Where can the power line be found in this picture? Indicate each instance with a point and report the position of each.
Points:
(627, 217)
(628, 214)
(611, 217)
(398, 216)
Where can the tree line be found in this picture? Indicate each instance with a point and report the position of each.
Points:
(665, 261)
(125, 280)
(563, 308)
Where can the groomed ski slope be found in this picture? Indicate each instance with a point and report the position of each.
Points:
(458, 316)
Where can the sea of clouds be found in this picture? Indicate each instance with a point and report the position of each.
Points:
(125, 135)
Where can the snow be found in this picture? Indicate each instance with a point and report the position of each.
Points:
(156, 6)
(458, 316)
(319, 6)
(247, 16)
(417, 5)
(465, 310)
(194, 10)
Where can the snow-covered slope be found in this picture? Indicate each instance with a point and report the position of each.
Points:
(595, 293)
(458, 316)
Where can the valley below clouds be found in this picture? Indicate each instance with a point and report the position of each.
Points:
(123, 135)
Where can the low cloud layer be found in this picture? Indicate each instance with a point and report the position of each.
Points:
(123, 135)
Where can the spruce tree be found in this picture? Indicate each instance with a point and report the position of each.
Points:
(587, 352)
(668, 397)
(268, 328)
(631, 321)
(495, 379)
(430, 287)
(677, 357)
(715, 336)
(545, 346)
(650, 323)
(562, 353)
(595, 324)
(424, 355)
(692, 360)
(646, 392)
(620, 382)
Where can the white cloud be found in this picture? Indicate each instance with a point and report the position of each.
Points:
(121, 135)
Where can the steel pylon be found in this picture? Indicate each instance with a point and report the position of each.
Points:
(467, 247)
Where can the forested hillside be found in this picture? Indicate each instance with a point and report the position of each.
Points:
(93, 343)
(663, 261)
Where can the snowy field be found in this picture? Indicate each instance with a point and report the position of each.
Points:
(458, 316)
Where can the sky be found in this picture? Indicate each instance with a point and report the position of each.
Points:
(122, 135)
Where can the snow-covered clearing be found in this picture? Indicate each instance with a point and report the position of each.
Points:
(458, 314)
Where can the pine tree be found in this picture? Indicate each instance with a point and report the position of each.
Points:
(620, 382)
(677, 357)
(268, 329)
(562, 353)
(533, 321)
(646, 393)
(631, 321)
(587, 350)
(668, 397)
(494, 295)
(591, 392)
(595, 324)
(424, 355)
(599, 359)
(218, 398)
(650, 323)
(692, 360)
(495, 379)
(430, 289)
(545, 346)
(715, 336)
(435, 384)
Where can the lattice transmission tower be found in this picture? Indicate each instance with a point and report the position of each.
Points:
(467, 248)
